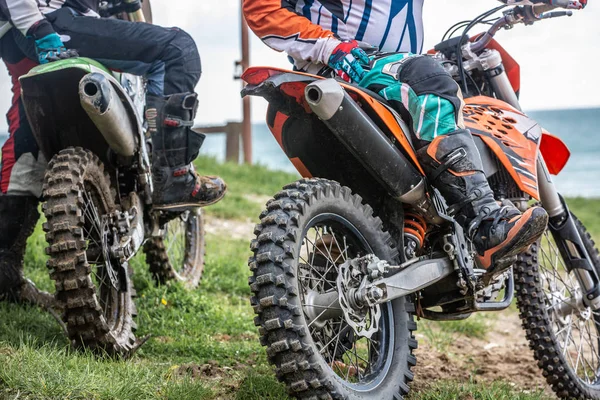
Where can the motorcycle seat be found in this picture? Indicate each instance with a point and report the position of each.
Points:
(371, 93)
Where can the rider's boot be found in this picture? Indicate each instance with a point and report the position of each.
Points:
(453, 165)
(19, 216)
(174, 147)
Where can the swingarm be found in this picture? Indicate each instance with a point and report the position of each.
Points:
(362, 285)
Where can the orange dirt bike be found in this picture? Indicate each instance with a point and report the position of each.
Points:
(347, 256)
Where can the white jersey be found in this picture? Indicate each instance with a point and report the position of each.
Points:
(390, 25)
(23, 14)
(309, 30)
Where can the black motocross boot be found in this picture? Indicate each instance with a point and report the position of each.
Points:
(18, 217)
(453, 165)
(175, 145)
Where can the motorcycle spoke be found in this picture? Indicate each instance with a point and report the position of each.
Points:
(574, 326)
(342, 252)
(325, 307)
(337, 342)
(593, 351)
(92, 212)
(102, 286)
(321, 313)
(324, 248)
(312, 269)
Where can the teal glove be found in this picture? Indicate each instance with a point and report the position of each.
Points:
(51, 48)
(347, 60)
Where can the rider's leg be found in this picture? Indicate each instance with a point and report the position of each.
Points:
(421, 89)
(169, 59)
(19, 216)
(21, 176)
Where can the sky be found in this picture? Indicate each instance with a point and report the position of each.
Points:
(559, 58)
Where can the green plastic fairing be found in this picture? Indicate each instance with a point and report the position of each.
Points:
(86, 64)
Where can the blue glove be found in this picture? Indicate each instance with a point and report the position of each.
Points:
(347, 60)
(51, 48)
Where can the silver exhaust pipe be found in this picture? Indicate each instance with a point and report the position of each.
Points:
(365, 140)
(102, 103)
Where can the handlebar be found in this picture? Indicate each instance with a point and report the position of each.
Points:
(526, 15)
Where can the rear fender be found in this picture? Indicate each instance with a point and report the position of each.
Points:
(50, 95)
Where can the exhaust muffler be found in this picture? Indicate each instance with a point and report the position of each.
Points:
(351, 125)
(102, 103)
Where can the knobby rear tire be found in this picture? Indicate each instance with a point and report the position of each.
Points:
(73, 176)
(532, 303)
(276, 301)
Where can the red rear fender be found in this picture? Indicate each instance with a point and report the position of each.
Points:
(257, 75)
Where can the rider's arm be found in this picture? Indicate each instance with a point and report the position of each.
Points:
(276, 24)
(525, 2)
(26, 17)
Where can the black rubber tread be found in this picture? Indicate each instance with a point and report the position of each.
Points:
(536, 322)
(275, 296)
(63, 193)
(191, 271)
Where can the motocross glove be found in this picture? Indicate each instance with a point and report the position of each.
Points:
(347, 60)
(573, 4)
(51, 48)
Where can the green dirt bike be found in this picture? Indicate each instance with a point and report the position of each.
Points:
(88, 121)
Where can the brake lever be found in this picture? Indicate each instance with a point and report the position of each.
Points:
(556, 14)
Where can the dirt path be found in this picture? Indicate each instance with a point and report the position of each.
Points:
(233, 229)
(503, 355)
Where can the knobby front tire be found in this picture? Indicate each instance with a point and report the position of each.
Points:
(180, 253)
(566, 345)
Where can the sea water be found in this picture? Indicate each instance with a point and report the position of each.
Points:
(578, 128)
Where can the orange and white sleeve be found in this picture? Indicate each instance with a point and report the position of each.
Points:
(276, 24)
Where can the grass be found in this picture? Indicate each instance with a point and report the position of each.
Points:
(474, 391)
(247, 186)
(441, 335)
(204, 344)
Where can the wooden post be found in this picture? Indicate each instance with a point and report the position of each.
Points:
(245, 63)
(232, 138)
(232, 144)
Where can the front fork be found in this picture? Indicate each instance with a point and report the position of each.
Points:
(563, 227)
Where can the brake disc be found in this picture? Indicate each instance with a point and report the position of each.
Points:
(364, 320)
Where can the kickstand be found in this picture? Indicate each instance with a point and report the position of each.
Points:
(47, 302)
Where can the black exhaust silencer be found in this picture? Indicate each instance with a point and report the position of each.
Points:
(351, 125)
